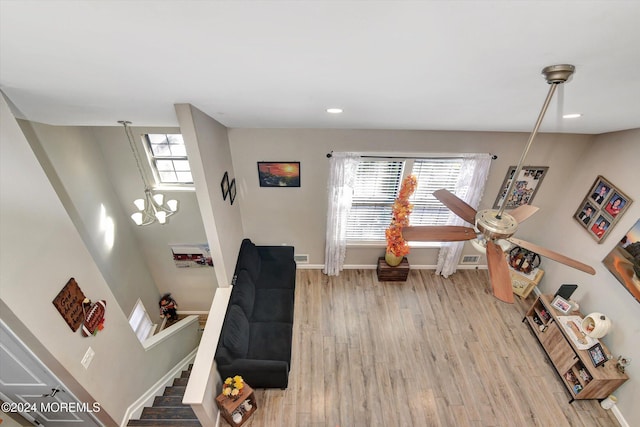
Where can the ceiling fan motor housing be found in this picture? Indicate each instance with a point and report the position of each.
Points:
(494, 227)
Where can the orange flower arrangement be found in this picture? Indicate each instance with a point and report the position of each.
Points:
(401, 211)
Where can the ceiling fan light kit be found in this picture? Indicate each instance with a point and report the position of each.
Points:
(495, 228)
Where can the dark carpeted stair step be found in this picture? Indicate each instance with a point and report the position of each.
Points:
(174, 391)
(169, 413)
(180, 381)
(165, 423)
(161, 401)
(185, 374)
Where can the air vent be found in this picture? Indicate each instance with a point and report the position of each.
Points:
(470, 259)
(301, 258)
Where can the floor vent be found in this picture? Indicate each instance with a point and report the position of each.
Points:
(470, 259)
(301, 258)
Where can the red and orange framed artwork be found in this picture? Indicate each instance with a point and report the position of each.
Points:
(279, 174)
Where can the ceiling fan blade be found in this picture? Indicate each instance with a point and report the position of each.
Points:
(499, 273)
(457, 205)
(548, 253)
(523, 212)
(438, 233)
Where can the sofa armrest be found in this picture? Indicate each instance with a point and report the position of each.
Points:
(276, 253)
(258, 373)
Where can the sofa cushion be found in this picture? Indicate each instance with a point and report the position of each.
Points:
(277, 274)
(236, 332)
(273, 305)
(244, 293)
(270, 341)
(249, 259)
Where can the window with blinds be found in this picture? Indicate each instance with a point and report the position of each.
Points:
(378, 183)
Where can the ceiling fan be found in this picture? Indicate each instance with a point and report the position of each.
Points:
(494, 227)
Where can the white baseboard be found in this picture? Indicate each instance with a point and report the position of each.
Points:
(619, 416)
(310, 266)
(374, 266)
(146, 399)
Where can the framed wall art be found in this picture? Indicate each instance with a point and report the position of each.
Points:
(624, 261)
(601, 208)
(69, 304)
(232, 191)
(596, 354)
(224, 186)
(527, 183)
(279, 174)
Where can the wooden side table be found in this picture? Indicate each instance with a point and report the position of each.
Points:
(228, 406)
(386, 273)
(522, 285)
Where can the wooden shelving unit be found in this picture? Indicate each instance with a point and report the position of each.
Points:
(228, 406)
(574, 366)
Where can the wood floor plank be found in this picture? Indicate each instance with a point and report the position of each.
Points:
(426, 352)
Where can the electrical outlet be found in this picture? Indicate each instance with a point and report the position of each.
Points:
(88, 357)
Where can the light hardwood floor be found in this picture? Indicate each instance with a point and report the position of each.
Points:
(426, 352)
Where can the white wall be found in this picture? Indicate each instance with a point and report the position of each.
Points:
(614, 156)
(41, 249)
(210, 157)
(297, 216)
(76, 168)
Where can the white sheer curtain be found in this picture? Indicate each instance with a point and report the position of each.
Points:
(470, 187)
(342, 175)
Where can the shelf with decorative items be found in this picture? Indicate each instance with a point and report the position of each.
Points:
(237, 401)
(524, 270)
(579, 358)
(397, 247)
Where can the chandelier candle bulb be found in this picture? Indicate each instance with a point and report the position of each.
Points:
(173, 205)
(139, 204)
(137, 218)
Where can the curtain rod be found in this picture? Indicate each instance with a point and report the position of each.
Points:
(493, 157)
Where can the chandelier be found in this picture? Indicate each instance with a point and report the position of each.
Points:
(152, 207)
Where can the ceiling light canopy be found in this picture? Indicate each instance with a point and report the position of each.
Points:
(572, 116)
(334, 110)
(152, 207)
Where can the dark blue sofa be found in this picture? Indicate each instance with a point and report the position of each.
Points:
(256, 336)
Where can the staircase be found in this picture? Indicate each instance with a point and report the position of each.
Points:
(168, 410)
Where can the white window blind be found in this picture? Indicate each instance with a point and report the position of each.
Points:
(433, 174)
(378, 183)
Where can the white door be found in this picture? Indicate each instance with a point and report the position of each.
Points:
(28, 387)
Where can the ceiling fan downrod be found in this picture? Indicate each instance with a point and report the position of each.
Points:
(555, 75)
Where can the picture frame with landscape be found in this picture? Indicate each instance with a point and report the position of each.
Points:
(279, 174)
(623, 261)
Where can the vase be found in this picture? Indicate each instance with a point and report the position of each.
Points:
(392, 260)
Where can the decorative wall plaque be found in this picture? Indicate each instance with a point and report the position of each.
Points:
(69, 304)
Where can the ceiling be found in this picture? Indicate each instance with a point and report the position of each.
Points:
(437, 65)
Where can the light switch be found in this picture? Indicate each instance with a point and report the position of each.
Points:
(88, 357)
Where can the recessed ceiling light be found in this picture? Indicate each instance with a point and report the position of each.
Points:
(572, 116)
(334, 110)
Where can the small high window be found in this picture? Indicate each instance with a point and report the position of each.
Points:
(169, 158)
